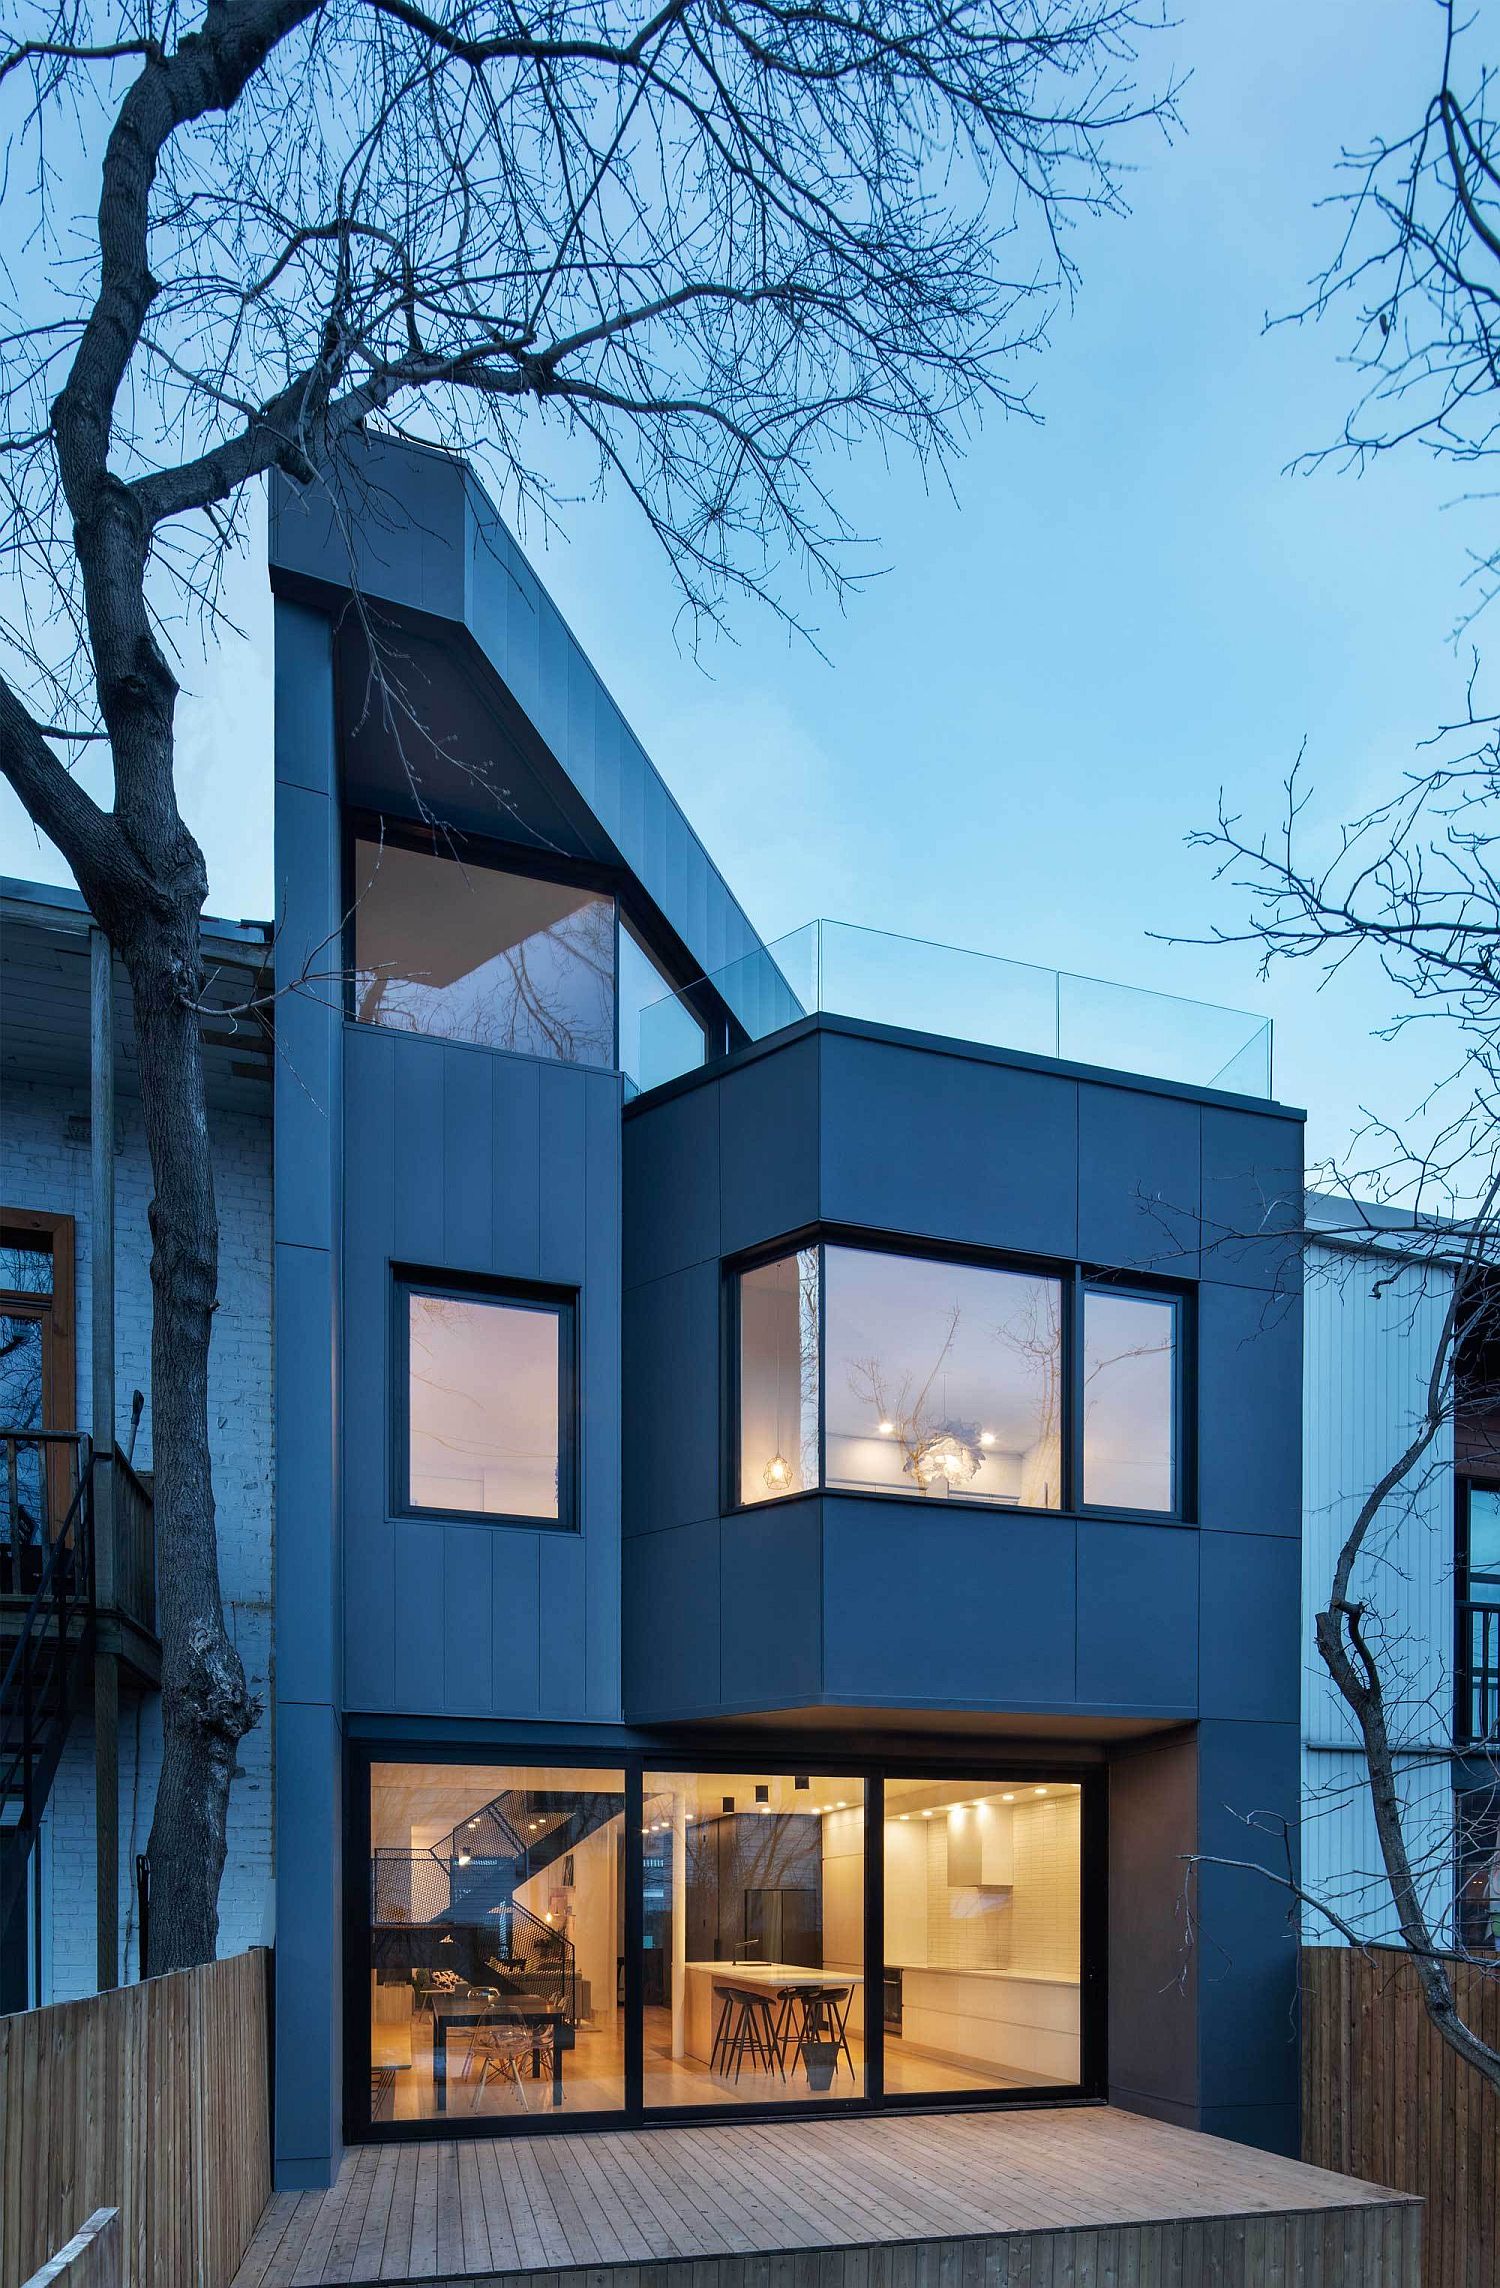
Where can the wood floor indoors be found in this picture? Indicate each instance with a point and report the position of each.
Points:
(976, 2200)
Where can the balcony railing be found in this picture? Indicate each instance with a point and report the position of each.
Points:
(873, 977)
(1478, 1672)
(40, 1473)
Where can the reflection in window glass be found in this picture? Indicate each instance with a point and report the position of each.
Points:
(753, 1974)
(659, 1035)
(472, 954)
(1484, 1538)
(497, 1925)
(1129, 1358)
(779, 1377)
(983, 1908)
(943, 1378)
(483, 1426)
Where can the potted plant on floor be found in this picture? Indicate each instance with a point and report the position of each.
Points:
(820, 2059)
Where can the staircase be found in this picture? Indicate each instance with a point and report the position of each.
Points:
(46, 1654)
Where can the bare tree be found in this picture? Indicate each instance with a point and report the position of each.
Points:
(711, 243)
(1412, 885)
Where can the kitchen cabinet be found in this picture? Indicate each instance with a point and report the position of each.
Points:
(981, 1852)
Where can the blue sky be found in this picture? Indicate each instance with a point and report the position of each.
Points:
(1013, 729)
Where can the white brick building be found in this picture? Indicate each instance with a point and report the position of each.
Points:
(45, 1165)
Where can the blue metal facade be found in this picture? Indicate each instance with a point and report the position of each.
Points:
(1163, 1654)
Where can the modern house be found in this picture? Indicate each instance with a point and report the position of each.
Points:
(787, 1458)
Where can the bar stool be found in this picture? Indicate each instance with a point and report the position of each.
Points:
(750, 2032)
(824, 2017)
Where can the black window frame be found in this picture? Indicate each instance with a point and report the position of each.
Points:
(1075, 1278)
(516, 1745)
(560, 1303)
(1132, 1289)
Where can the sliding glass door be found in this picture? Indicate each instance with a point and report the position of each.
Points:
(539, 1945)
(753, 1938)
(983, 1935)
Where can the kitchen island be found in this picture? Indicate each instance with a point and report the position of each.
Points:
(703, 1979)
(1024, 2024)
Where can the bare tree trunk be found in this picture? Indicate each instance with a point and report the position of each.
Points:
(206, 1707)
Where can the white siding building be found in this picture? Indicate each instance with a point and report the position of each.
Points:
(1373, 1322)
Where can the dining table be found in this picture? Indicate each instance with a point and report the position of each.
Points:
(480, 2009)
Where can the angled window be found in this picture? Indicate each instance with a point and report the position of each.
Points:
(778, 1371)
(866, 1370)
(485, 1403)
(1130, 1352)
(467, 952)
(659, 1035)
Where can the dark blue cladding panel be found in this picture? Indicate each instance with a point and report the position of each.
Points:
(1153, 1980)
(671, 1185)
(1252, 1197)
(946, 1608)
(1249, 1410)
(916, 1141)
(515, 1187)
(772, 1598)
(768, 1146)
(671, 1440)
(1138, 1616)
(306, 1625)
(672, 1614)
(1249, 1625)
(464, 1160)
(1138, 1205)
(1247, 2006)
(309, 1956)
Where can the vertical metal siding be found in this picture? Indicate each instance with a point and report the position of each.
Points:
(1371, 1329)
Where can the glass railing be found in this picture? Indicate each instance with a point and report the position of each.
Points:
(873, 977)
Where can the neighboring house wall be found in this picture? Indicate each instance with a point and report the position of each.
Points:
(45, 1164)
(1372, 1327)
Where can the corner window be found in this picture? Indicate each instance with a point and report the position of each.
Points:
(467, 952)
(1129, 1400)
(486, 1391)
(943, 1378)
(659, 1035)
(867, 1371)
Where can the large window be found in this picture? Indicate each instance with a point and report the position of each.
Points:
(539, 1940)
(753, 1935)
(1479, 1614)
(983, 1935)
(497, 1926)
(866, 1371)
(470, 953)
(488, 1414)
(659, 1035)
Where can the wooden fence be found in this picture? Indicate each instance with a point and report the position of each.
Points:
(1383, 2097)
(152, 2100)
(91, 2258)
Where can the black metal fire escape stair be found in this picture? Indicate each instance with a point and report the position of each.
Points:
(47, 1650)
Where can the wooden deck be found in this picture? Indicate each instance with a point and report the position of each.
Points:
(1081, 2195)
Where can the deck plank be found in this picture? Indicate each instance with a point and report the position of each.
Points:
(961, 2200)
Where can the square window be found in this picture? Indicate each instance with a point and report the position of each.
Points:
(487, 1408)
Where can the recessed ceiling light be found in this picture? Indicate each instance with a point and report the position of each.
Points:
(1039, 1791)
(906, 1815)
(927, 1815)
(1007, 1799)
(986, 1437)
(886, 1429)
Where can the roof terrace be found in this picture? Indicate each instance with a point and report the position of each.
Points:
(874, 977)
